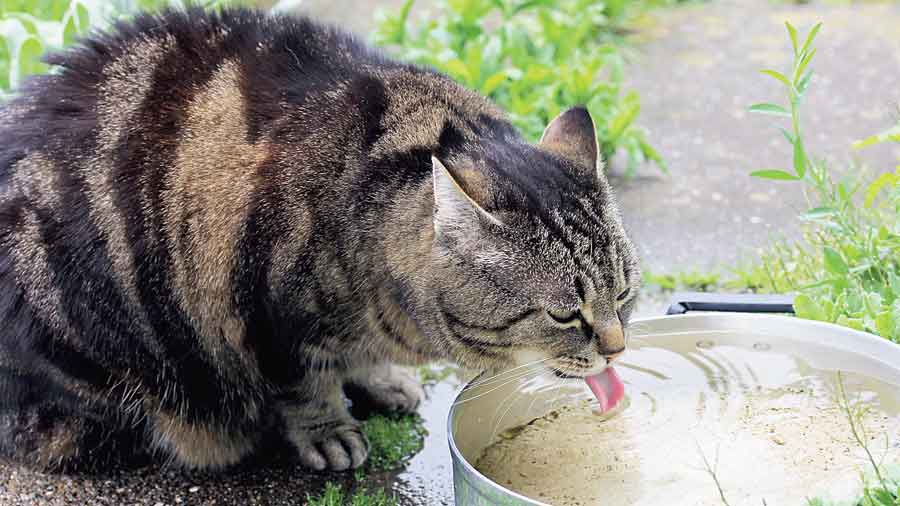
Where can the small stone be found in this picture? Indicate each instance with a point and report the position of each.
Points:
(194, 489)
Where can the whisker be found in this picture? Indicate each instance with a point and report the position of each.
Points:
(559, 383)
(521, 375)
(499, 375)
(513, 396)
(636, 330)
(536, 374)
(531, 405)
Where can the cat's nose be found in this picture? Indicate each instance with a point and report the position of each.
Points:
(611, 341)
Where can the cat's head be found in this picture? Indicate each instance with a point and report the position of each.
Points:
(531, 259)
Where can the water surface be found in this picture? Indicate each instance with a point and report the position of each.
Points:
(761, 421)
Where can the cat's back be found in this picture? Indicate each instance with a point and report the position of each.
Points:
(159, 63)
(141, 164)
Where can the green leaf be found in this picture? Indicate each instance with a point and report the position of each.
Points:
(774, 174)
(810, 38)
(892, 134)
(623, 119)
(803, 84)
(493, 82)
(895, 287)
(834, 282)
(474, 55)
(834, 262)
(853, 323)
(818, 213)
(70, 32)
(651, 154)
(84, 18)
(773, 109)
(29, 58)
(777, 75)
(806, 307)
(883, 181)
(787, 135)
(803, 63)
(884, 497)
(458, 69)
(793, 33)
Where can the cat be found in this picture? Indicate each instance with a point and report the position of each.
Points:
(211, 224)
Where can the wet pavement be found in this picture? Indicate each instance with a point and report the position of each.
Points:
(696, 70)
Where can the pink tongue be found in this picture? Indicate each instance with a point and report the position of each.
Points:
(607, 388)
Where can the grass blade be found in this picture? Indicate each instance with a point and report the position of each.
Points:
(773, 109)
(811, 37)
(777, 75)
(793, 33)
(774, 174)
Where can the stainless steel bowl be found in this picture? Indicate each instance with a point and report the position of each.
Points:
(475, 419)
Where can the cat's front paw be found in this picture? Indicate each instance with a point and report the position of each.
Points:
(386, 387)
(339, 448)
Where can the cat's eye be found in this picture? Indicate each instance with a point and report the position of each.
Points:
(562, 316)
(624, 295)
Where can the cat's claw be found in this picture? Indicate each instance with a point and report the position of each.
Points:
(346, 449)
(387, 387)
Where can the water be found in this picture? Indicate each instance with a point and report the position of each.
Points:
(755, 420)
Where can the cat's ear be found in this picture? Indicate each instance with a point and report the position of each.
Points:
(458, 197)
(572, 135)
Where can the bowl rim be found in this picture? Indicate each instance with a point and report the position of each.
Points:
(872, 340)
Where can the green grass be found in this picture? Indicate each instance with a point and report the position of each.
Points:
(433, 374)
(335, 495)
(534, 58)
(393, 440)
(693, 280)
(846, 270)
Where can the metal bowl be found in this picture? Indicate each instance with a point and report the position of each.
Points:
(475, 419)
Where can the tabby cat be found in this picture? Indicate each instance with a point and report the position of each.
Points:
(211, 224)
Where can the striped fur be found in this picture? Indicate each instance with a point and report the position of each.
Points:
(212, 223)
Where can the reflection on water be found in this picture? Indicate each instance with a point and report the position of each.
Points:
(766, 422)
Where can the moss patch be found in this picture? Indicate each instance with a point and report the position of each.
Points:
(394, 439)
(334, 495)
